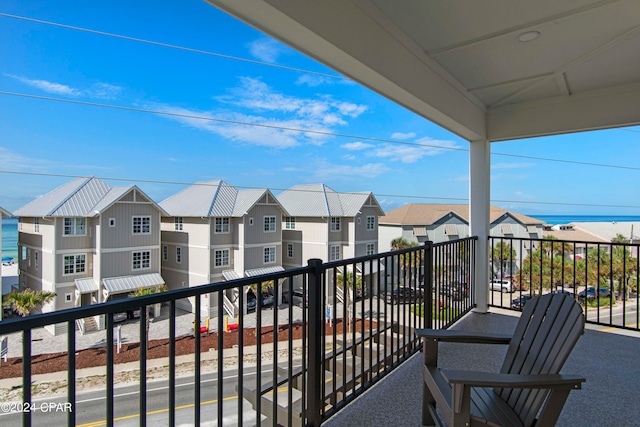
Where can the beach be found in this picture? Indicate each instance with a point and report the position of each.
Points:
(9, 277)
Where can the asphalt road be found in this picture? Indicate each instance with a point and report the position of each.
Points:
(90, 406)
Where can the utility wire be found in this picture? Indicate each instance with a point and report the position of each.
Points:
(311, 131)
(402, 196)
(172, 46)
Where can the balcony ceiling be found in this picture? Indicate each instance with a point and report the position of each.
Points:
(461, 64)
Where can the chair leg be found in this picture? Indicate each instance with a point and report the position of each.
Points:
(427, 401)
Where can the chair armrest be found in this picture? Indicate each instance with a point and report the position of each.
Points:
(487, 379)
(446, 335)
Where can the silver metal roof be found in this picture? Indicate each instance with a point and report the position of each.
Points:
(81, 197)
(213, 199)
(318, 200)
(4, 212)
(231, 275)
(118, 285)
(265, 270)
(85, 286)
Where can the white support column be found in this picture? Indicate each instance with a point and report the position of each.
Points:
(479, 207)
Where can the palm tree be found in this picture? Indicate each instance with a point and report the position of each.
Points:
(349, 283)
(140, 292)
(28, 300)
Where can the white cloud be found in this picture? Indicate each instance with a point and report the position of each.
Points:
(324, 171)
(412, 153)
(267, 50)
(97, 91)
(276, 113)
(10, 160)
(355, 146)
(315, 80)
(403, 136)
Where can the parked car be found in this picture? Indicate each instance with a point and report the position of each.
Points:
(457, 291)
(120, 317)
(590, 293)
(519, 303)
(298, 298)
(501, 285)
(402, 294)
(134, 313)
(268, 301)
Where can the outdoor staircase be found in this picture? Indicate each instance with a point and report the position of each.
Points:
(88, 324)
(347, 366)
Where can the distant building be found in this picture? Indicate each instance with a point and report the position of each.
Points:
(3, 213)
(89, 242)
(589, 234)
(215, 232)
(422, 222)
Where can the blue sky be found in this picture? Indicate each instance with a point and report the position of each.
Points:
(55, 138)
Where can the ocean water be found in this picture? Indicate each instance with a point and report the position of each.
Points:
(566, 219)
(10, 238)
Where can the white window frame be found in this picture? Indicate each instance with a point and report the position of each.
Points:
(269, 254)
(371, 223)
(78, 260)
(165, 253)
(20, 224)
(29, 258)
(371, 248)
(68, 297)
(334, 252)
(290, 222)
(222, 225)
(144, 227)
(112, 222)
(290, 250)
(335, 223)
(36, 225)
(36, 259)
(178, 254)
(177, 223)
(269, 222)
(221, 257)
(74, 226)
(140, 260)
(251, 221)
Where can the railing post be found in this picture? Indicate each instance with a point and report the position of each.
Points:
(314, 400)
(428, 283)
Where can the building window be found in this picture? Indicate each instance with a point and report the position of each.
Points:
(335, 224)
(371, 248)
(35, 259)
(75, 226)
(74, 264)
(165, 253)
(222, 225)
(269, 223)
(112, 222)
(29, 258)
(269, 254)
(141, 260)
(290, 222)
(290, 250)
(371, 223)
(67, 297)
(221, 257)
(177, 223)
(178, 254)
(36, 225)
(250, 221)
(334, 252)
(20, 224)
(141, 225)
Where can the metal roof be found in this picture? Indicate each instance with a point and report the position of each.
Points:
(85, 286)
(81, 197)
(231, 275)
(318, 200)
(4, 212)
(265, 270)
(213, 199)
(118, 285)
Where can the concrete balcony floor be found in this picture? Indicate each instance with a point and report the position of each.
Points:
(607, 358)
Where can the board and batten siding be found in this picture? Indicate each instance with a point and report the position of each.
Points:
(121, 234)
(66, 242)
(120, 263)
(255, 234)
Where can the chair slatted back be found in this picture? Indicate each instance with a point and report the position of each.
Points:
(548, 330)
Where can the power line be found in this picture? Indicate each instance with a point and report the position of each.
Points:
(172, 46)
(311, 131)
(402, 196)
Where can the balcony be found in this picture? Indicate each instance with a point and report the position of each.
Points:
(342, 351)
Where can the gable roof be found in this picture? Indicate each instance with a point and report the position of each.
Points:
(430, 213)
(81, 197)
(318, 200)
(4, 212)
(214, 199)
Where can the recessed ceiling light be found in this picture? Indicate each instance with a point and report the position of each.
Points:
(528, 36)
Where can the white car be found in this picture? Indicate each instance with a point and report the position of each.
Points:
(501, 285)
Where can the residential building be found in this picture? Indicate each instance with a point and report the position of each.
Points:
(215, 232)
(585, 233)
(328, 225)
(3, 213)
(89, 243)
(422, 222)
